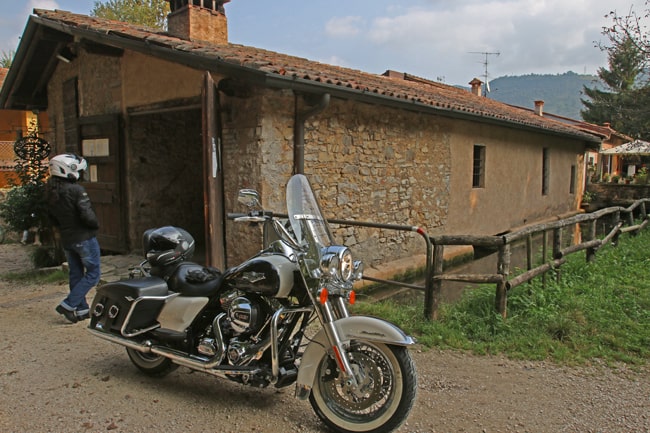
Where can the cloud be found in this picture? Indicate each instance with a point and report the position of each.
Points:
(532, 36)
(342, 27)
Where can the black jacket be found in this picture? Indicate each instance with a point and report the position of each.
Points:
(71, 211)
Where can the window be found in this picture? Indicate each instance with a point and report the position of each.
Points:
(478, 171)
(545, 171)
(572, 181)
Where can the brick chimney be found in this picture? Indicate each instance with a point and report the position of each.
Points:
(476, 86)
(198, 20)
(539, 107)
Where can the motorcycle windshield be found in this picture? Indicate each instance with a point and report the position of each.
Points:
(309, 226)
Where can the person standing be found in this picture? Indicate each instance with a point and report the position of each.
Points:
(71, 211)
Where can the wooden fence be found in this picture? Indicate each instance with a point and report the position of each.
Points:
(615, 220)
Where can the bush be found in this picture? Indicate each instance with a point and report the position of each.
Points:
(46, 257)
(24, 207)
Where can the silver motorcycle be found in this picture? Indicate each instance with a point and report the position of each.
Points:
(279, 318)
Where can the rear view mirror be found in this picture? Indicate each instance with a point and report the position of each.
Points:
(249, 198)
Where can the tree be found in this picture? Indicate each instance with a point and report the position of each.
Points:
(24, 206)
(150, 13)
(7, 58)
(630, 27)
(624, 101)
(618, 102)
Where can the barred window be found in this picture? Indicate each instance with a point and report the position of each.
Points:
(478, 171)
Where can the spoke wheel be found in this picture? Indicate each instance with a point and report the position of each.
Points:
(382, 399)
(151, 364)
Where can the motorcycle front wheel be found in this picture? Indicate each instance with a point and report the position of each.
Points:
(383, 398)
(151, 364)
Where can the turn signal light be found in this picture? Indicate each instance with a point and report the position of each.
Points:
(324, 294)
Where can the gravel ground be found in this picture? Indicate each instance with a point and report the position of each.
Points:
(56, 377)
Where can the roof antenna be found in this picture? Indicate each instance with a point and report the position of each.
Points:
(485, 64)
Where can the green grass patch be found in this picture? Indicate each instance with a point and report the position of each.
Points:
(44, 277)
(598, 310)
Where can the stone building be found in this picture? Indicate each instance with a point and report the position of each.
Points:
(174, 123)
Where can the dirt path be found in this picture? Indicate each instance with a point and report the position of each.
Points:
(56, 377)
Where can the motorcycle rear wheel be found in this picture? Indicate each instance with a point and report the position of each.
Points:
(151, 364)
(383, 399)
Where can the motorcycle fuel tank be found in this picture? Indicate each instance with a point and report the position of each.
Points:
(266, 275)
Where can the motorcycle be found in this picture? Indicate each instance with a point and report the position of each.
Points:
(279, 318)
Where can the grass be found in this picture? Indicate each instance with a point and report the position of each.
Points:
(598, 310)
(55, 276)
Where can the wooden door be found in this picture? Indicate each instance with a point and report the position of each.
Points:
(101, 147)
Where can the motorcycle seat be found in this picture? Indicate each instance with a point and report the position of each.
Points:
(191, 279)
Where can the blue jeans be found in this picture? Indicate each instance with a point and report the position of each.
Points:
(84, 262)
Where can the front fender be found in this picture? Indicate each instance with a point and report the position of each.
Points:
(349, 328)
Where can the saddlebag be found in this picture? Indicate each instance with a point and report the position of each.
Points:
(129, 307)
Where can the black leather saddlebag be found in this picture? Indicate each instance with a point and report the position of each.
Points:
(129, 307)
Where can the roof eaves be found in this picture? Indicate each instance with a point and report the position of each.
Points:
(448, 110)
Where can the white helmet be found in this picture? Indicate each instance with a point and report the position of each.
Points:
(67, 166)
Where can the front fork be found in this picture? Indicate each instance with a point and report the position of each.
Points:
(329, 312)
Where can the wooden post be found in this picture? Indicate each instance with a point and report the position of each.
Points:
(432, 300)
(529, 252)
(630, 221)
(557, 249)
(617, 218)
(544, 255)
(501, 301)
(642, 211)
(591, 252)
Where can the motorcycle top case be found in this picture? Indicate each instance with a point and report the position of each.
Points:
(128, 307)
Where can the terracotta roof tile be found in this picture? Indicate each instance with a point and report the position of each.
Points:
(407, 88)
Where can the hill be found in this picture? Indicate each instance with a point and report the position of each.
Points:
(561, 93)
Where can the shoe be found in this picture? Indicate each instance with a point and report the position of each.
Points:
(81, 317)
(70, 315)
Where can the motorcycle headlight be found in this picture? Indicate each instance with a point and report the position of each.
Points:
(337, 263)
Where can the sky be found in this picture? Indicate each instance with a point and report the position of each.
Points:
(441, 40)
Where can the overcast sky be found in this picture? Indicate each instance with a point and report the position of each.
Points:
(442, 40)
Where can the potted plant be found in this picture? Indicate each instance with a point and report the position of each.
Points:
(641, 176)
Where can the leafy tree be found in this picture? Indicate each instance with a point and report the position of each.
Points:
(150, 13)
(630, 27)
(7, 58)
(625, 100)
(24, 206)
(619, 103)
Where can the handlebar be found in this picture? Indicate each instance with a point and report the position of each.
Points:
(251, 217)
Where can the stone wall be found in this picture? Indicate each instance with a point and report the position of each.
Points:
(383, 165)
(609, 194)
(365, 163)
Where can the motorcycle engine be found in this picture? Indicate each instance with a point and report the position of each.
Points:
(246, 316)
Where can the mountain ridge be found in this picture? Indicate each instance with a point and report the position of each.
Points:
(561, 93)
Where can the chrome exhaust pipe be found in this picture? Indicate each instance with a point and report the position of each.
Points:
(142, 347)
(206, 365)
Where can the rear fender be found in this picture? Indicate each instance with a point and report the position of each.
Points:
(349, 328)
